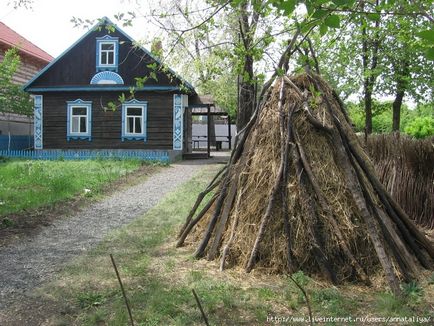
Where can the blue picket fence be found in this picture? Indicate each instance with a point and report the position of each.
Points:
(16, 142)
(157, 156)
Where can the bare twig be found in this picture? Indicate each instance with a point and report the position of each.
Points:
(200, 307)
(122, 289)
(309, 308)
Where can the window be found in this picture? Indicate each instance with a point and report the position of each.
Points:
(107, 53)
(134, 123)
(134, 120)
(79, 120)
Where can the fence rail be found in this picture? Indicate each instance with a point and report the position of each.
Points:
(159, 156)
(15, 142)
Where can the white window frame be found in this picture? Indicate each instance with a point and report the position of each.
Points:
(135, 117)
(143, 120)
(70, 134)
(79, 117)
(107, 40)
(113, 43)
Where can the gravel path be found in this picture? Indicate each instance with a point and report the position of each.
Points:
(34, 260)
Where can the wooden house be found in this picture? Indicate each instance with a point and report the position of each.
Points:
(33, 59)
(106, 92)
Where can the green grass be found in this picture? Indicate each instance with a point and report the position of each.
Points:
(31, 184)
(159, 278)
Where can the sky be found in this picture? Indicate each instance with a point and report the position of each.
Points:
(48, 24)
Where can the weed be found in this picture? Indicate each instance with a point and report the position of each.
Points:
(266, 294)
(330, 300)
(301, 278)
(87, 300)
(195, 276)
(389, 305)
(6, 222)
(413, 292)
(170, 265)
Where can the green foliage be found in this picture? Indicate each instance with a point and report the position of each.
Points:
(157, 48)
(421, 127)
(333, 21)
(418, 122)
(12, 98)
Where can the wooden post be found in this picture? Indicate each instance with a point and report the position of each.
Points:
(229, 132)
(208, 116)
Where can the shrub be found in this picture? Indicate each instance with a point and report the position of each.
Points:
(421, 127)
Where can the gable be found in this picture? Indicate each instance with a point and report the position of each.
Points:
(80, 66)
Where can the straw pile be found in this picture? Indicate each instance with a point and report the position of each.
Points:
(300, 193)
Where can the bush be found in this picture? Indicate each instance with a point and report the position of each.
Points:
(421, 127)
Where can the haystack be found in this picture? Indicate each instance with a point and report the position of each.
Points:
(299, 193)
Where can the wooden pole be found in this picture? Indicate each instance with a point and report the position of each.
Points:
(200, 307)
(208, 118)
(122, 289)
(229, 132)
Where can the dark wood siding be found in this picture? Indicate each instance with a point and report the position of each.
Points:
(78, 65)
(106, 125)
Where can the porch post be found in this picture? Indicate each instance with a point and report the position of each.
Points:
(229, 132)
(177, 122)
(208, 116)
(37, 122)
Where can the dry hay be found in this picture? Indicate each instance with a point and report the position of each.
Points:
(296, 195)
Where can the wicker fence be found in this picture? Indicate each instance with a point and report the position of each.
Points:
(406, 168)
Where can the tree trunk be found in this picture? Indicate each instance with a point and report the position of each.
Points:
(396, 106)
(248, 21)
(368, 109)
(370, 61)
(247, 95)
(401, 86)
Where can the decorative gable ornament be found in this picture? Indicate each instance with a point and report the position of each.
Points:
(107, 78)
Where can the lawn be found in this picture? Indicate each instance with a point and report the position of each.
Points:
(159, 279)
(28, 185)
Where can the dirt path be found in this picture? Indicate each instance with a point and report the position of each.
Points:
(33, 260)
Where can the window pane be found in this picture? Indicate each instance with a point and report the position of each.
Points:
(74, 127)
(138, 129)
(107, 46)
(79, 111)
(103, 58)
(134, 111)
(130, 125)
(83, 124)
(111, 59)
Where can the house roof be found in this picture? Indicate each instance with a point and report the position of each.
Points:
(13, 39)
(105, 21)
